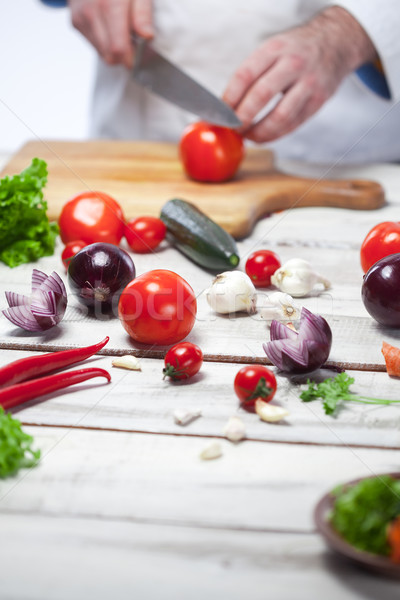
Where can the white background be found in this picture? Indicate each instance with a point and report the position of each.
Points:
(46, 75)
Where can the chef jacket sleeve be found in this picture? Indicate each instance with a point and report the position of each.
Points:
(381, 21)
(54, 3)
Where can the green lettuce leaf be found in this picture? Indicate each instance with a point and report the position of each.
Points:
(25, 231)
(15, 446)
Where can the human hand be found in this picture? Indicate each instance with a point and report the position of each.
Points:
(304, 65)
(108, 24)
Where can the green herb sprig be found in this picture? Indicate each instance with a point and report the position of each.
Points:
(334, 391)
(15, 446)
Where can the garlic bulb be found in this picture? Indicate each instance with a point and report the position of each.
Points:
(232, 291)
(280, 306)
(297, 278)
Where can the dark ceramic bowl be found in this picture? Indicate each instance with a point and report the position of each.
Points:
(372, 562)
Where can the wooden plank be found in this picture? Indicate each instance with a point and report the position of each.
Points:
(76, 558)
(159, 478)
(142, 176)
(144, 402)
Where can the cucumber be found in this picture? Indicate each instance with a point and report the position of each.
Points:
(199, 237)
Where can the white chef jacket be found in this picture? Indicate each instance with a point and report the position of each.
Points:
(210, 38)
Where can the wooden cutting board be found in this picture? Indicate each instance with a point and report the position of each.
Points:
(142, 176)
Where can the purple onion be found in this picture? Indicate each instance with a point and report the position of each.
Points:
(299, 351)
(380, 291)
(98, 274)
(44, 308)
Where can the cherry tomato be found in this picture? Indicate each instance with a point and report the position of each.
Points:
(158, 307)
(70, 250)
(144, 234)
(260, 266)
(183, 361)
(92, 217)
(252, 382)
(210, 153)
(382, 240)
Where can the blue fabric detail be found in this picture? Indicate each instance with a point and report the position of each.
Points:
(375, 79)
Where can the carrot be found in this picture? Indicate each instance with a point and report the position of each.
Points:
(392, 359)
(394, 539)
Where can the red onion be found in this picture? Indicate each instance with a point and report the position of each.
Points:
(44, 308)
(300, 351)
(380, 291)
(98, 274)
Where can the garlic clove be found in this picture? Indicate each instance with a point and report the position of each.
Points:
(232, 291)
(128, 361)
(184, 417)
(270, 412)
(234, 430)
(211, 452)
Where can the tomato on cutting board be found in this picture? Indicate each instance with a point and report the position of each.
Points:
(252, 382)
(92, 217)
(382, 240)
(158, 307)
(210, 153)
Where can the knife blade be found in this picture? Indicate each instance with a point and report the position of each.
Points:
(157, 74)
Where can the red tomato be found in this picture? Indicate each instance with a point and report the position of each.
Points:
(252, 382)
(70, 250)
(145, 233)
(382, 240)
(210, 153)
(260, 266)
(158, 307)
(92, 217)
(183, 361)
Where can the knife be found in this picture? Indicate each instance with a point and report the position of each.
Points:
(161, 77)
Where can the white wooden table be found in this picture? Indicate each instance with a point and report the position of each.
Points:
(121, 506)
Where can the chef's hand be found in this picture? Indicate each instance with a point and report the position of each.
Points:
(303, 67)
(107, 24)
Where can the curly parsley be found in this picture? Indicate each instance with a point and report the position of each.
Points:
(334, 391)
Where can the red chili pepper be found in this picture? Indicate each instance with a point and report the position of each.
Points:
(26, 368)
(21, 392)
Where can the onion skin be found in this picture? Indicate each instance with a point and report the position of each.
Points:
(380, 291)
(98, 274)
(303, 351)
